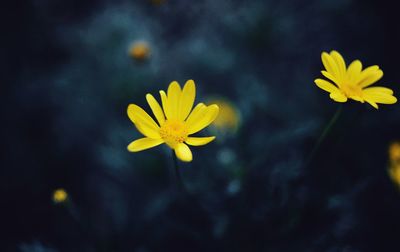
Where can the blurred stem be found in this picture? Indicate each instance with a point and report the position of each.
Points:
(178, 176)
(323, 135)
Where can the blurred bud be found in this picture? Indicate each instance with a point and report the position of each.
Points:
(394, 165)
(228, 119)
(139, 51)
(394, 152)
(60, 196)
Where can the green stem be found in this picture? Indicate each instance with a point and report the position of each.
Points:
(178, 176)
(323, 135)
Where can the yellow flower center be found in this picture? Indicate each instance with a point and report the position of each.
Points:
(352, 91)
(174, 132)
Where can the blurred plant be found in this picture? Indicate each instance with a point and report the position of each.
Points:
(352, 82)
(394, 162)
(176, 121)
(60, 196)
(139, 50)
(228, 119)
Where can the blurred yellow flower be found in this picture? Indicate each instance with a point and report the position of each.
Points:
(352, 82)
(228, 118)
(139, 50)
(176, 121)
(60, 196)
(394, 152)
(394, 165)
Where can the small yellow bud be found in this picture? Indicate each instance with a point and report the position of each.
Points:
(60, 196)
(139, 51)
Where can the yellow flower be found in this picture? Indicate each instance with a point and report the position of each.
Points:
(139, 50)
(60, 196)
(176, 121)
(352, 82)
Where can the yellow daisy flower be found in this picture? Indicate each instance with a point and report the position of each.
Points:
(352, 82)
(176, 121)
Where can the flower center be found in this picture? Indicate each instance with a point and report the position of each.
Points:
(352, 91)
(173, 132)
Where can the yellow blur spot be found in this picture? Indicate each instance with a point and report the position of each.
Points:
(60, 196)
(394, 152)
(228, 119)
(394, 165)
(139, 51)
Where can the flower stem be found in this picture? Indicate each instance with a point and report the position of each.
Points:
(178, 176)
(323, 135)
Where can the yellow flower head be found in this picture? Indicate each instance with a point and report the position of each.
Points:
(176, 121)
(139, 50)
(352, 82)
(228, 118)
(60, 196)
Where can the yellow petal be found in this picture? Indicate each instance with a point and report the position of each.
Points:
(371, 102)
(338, 96)
(210, 113)
(379, 95)
(187, 99)
(330, 65)
(341, 65)
(173, 101)
(164, 101)
(196, 113)
(183, 152)
(198, 141)
(329, 76)
(369, 76)
(143, 122)
(354, 70)
(156, 108)
(326, 85)
(143, 144)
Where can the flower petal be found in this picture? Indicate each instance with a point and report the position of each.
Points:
(354, 70)
(187, 99)
(143, 144)
(326, 85)
(379, 95)
(164, 101)
(173, 101)
(143, 122)
(330, 65)
(338, 96)
(210, 113)
(183, 152)
(156, 108)
(196, 113)
(198, 141)
(329, 76)
(369, 76)
(341, 65)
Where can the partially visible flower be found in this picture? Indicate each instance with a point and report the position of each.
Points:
(394, 162)
(228, 118)
(139, 50)
(60, 196)
(352, 82)
(394, 152)
(176, 121)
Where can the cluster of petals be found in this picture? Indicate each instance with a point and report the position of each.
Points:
(353, 82)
